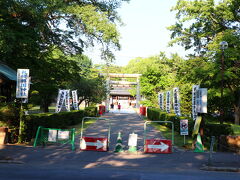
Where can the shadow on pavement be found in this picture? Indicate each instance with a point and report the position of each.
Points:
(62, 156)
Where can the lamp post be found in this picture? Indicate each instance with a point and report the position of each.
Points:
(223, 46)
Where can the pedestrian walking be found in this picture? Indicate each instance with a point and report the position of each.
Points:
(112, 106)
(119, 106)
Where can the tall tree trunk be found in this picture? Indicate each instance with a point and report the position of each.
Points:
(237, 107)
(236, 114)
(45, 104)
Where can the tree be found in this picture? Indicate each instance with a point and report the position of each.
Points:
(201, 25)
(59, 71)
(199, 21)
(30, 27)
(158, 74)
(42, 35)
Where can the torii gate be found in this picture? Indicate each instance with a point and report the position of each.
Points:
(115, 75)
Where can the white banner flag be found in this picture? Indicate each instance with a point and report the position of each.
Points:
(63, 100)
(194, 101)
(67, 99)
(22, 83)
(201, 105)
(168, 101)
(161, 100)
(75, 100)
(60, 100)
(176, 101)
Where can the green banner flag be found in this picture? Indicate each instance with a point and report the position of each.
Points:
(197, 125)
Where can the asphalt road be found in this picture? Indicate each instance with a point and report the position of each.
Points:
(13, 172)
(59, 162)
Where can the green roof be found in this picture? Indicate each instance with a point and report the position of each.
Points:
(8, 72)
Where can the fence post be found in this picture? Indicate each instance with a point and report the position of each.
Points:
(36, 138)
(210, 160)
(73, 139)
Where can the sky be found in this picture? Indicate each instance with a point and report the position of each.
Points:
(144, 33)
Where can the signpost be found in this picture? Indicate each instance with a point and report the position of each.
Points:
(22, 89)
(184, 128)
(22, 83)
(158, 146)
(94, 144)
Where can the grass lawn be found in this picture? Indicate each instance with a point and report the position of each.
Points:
(236, 129)
(86, 124)
(36, 109)
(178, 139)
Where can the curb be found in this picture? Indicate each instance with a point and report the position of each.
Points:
(11, 162)
(225, 169)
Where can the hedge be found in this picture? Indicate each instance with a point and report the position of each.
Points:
(60, 120)
(210, 129)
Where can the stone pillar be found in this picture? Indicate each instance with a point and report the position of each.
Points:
(138, 96)
(107, 102)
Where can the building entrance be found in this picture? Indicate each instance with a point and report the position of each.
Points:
(119, 86)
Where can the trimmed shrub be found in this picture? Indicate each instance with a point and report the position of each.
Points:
(57, 120)
(210, 129)
(91, 111)
(155, 114)
(217, 130)
(9, 115)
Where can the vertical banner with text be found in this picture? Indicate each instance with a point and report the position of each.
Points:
(161, 100)
(176, 101)
(63, 100)
(60, 100)
(194, 101)
(22, 83)
(168, 101)
(75, 100)
(202, 100)
(67, 99)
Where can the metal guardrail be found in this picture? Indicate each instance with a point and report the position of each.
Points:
(98, 118)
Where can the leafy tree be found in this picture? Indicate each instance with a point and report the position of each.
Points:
(59, 72)
(43, 34)
(30, 27)
(90, 89)
(158, 74)
(199, 21)
(201, 25)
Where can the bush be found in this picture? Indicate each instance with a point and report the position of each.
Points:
(91, 111)
(155, 114)
(217, 130)
(210, 129)
(57, 120)
(9, 115)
